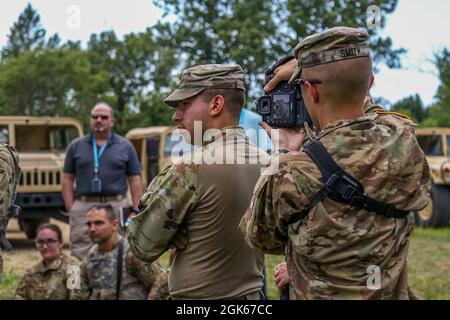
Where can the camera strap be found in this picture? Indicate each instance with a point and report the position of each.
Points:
(341, 187)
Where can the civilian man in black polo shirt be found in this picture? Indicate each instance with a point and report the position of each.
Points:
(100, 164)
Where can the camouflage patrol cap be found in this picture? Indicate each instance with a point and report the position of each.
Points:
(332, 45)
(209, 76)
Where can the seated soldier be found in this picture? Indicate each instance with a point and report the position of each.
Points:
(110, 271)
(48, 280)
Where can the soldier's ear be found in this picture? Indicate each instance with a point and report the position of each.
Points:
(313, 93)
(216, 105)
(371, 81)
(115, 224)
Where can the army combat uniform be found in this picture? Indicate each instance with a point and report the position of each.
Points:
(48, 282)
(208, 198)
(339, 251)
(9, 178)
(99, 275)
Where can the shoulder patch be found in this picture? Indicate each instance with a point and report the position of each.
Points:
(392, 113)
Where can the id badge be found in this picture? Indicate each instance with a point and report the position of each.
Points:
(96, 185)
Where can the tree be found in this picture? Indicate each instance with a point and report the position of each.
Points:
(255, 33)
(135, 66)
(25, 34)
(412, 106)
(439, 112)
(49, 82)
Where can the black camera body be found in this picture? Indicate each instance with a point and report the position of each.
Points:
(284, 105)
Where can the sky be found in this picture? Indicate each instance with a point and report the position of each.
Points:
(422, 27)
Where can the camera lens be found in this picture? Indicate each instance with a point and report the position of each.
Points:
(286, 87)
(263, 105)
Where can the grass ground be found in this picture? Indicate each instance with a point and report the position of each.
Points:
(429, 266)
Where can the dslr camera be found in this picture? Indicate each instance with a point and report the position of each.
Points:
(284, 105)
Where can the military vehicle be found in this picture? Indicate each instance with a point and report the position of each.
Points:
(154, 146)
(435, 142)
(41, 143)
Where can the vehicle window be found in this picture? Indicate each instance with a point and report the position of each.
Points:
(431, 144)
(176, 143)
(38, 138)
(448, 145)
(4, 134)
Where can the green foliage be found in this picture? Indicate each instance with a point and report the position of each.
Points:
(132, 67)
(26, 34)
(48, 82)
(412, 106)
(255, 33)
(428, 265)
(439, 112)
(8, 286)
(135, 73)
(308, 17)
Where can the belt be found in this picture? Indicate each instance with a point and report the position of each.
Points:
(101, 198)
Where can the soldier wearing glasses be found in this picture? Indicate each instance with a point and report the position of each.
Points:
(48, 280)
(100, 163)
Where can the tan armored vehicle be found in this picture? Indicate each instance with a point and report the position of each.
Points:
(154, 146)
(435, 142)
(41, 143)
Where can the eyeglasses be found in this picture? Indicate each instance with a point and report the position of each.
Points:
(96, 116)
(49, 242)
(303, 81)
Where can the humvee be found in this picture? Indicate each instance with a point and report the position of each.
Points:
(41, 143)
(435, 142)
(154, 146)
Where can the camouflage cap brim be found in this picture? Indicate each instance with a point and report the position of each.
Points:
(181, 94)
(295, 75)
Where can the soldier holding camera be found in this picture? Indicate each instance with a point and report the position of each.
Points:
(338, 205)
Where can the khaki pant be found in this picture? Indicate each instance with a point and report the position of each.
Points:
(80, 243)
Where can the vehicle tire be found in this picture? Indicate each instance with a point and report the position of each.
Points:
(30, 226)
(437, 213)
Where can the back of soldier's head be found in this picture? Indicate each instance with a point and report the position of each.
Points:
(340, 59)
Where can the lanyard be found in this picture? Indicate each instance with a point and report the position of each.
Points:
(97, 154)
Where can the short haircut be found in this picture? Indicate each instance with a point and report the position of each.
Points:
(110, 213)
(111, 110)
(52, 227)
(234, 99)
(343, 82)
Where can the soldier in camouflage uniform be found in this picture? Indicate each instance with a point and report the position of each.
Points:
(197, 203)
(340, 251)
(100, 271)
(51, 278)
(9, 178)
